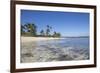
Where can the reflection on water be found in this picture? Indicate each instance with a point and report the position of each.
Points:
(55, 50)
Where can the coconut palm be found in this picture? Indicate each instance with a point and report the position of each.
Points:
(34, 29)
(48, 30)
(22, 29)
(56, 34)
(31, 29)
(42, 32)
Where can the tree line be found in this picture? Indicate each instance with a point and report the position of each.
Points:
(30, 29)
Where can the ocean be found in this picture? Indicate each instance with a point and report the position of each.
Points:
(65, 49)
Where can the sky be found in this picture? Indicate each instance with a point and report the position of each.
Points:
(67, 23)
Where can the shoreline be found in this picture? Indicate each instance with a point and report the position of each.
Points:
(25, 39)
(32, 51)
(30, 39)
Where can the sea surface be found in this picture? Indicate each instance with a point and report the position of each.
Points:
(65, 49)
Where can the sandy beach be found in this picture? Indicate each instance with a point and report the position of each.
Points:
(29, 39)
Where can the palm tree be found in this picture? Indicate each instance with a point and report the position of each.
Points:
(22, 29)
(56, 34)
(34, 29)
(27, 27)
(42, 33)
(48, 30)
(50, 27)
(31, 29)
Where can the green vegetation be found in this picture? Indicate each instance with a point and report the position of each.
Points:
(42, 33)
(56, 34)
(30, 29)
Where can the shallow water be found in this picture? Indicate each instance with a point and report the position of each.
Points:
(55, 50)
(72, 42)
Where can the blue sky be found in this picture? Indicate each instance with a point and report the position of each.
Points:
(67, 23)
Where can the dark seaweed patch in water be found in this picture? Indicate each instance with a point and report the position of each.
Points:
(27, 55)
(64, 57)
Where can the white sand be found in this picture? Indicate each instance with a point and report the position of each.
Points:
(29, 39)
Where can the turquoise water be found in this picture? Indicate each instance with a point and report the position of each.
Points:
(67, 42)
(67, 46)
(64, 49)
